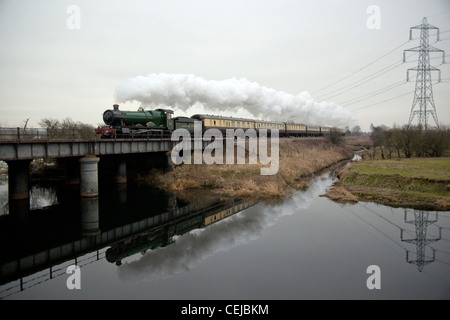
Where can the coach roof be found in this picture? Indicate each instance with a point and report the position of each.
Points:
(207, 116)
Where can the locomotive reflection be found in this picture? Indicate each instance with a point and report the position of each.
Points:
(164, 235)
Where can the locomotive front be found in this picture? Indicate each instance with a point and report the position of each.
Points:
(114, 117)
(126, 122)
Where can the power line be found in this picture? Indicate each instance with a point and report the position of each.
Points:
(376, 92)
(373, 94)
(384, 101)
(363, 80)
(388, 100)
(382, 90)
(372, 76)
(364, 67)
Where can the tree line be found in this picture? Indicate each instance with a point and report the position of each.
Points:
(410, 141)
(67, 129)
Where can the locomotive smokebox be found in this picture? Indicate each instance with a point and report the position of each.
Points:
(114, 117)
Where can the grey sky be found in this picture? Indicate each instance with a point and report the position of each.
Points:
(49, 70)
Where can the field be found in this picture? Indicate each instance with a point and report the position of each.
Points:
(416, 182)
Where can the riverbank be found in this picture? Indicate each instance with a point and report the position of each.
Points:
(414, 183)
(299, 160)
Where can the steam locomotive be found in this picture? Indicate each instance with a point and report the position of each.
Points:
(161, 123)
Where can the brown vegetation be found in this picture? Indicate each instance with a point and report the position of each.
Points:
(340, 194)
(299, 159)
(67, 129)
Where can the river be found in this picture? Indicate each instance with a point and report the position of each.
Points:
(138, 243)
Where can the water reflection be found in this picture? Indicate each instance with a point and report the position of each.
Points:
(3, 194)
(421, 238)
(425, 232)
(186, 252)
(43, 196)
(168, 233)
(37, 241)
(40, 197)
(147, 235)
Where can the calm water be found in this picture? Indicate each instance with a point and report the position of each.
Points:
(137, 244)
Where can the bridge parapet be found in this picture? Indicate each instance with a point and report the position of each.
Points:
(24, 150)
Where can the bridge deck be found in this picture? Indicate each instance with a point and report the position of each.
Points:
(32, 149)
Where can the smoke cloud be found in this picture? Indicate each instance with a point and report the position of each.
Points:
(232, 97)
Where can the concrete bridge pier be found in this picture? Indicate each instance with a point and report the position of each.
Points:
(19, 179)
(89, 176)
(90, 216)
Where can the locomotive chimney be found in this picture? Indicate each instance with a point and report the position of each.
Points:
(116, 107)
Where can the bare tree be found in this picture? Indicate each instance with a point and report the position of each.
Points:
(67, 129)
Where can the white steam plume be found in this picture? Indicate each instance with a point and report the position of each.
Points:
(231, 97)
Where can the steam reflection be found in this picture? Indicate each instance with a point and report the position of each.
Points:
(191, 248)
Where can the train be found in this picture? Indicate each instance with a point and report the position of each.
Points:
(163, 235)
(161, 123)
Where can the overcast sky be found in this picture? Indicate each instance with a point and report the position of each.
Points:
(53, 65)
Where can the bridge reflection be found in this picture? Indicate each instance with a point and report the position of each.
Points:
(37, 242)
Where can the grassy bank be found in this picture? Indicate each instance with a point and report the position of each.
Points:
(415, 182)
(299, 159)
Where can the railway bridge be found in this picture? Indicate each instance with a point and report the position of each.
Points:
(80, 159)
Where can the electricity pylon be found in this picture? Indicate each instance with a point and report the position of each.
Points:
(423, 103)
(421, 222)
